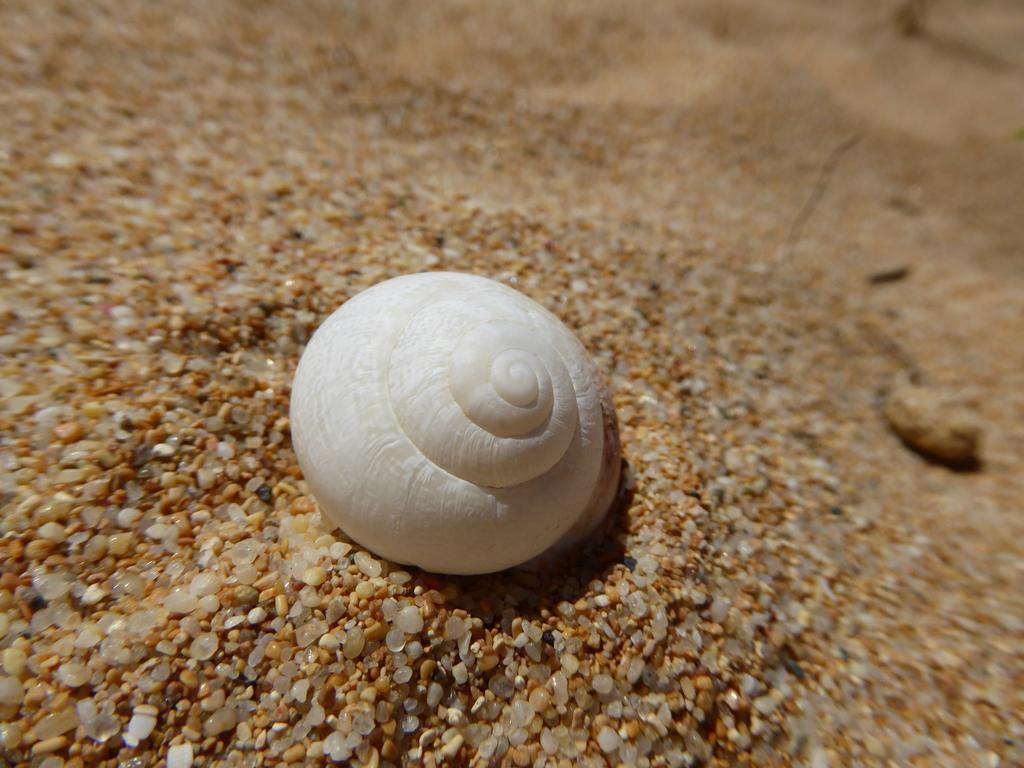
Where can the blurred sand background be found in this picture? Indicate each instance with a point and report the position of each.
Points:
(759, 160)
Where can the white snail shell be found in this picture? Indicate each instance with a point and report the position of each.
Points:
(448, 421)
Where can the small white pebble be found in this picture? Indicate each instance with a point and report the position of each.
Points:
(720, 609)
(395, 640)
(181, 601)
(608, 740)
(93, 594)
(52, 532)
(334, 747)
(603, 684)
(765, 704)
(180, 756)
(204, 646)
(204, 584)
(128, 516)
(159, 531)
(310, 632)
(455, 627)
(355, 640)
(73, 674)
(570, 664)
(139, 728)
(257, 615)
(88, 636)
(367, 564)
(434, 694)
(330, 642)
(300, 689)
(409, 620)
(208, 604)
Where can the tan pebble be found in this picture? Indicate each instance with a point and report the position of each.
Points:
(375, 631)
(93, 594)
(93, 410)
(266, 582)
(281, 605)
(329, 642)
(10, 735)
(933, 424)
(427, 737)
(35, 694)
(68, 432)
(364, 589)
(539, 699)
(49, 746)
(39, 549)
(303, 505)
(188, 678)
(106, 459)
(294, 753)
(246, 595)
(314, 576)
(389, 751)
(14, 661)
(488, 662)
(521, 756)
(451, 749)
(96, 548)
(120, 544)
(427, 669)
(15, 549)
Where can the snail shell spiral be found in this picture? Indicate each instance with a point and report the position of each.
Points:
(450, 422)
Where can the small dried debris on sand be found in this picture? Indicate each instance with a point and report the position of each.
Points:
(932, 423)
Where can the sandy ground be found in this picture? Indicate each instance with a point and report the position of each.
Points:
(702, 190)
